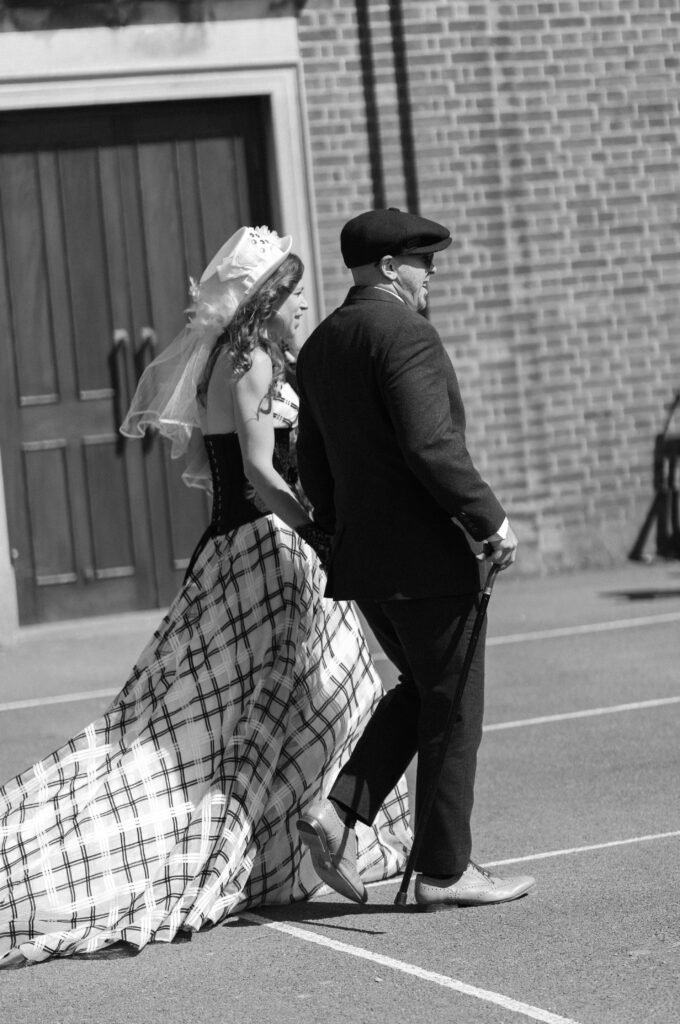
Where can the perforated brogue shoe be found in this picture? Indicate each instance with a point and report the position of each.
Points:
(475, 887)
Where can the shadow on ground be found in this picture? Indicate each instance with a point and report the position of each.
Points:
(643, 595)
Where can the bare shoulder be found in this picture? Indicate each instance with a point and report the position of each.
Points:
(259, 374)
(260, 358)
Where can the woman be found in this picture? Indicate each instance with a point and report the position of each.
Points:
(178, 806)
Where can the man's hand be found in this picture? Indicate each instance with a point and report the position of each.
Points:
(502, 551)
(500, 548)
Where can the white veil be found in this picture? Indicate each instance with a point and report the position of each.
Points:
(166, 396)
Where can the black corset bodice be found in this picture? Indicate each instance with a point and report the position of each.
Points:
(235, 500)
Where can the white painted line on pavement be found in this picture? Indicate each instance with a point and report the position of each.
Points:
(592, 627)
(562, 631)
(512, 1005)
(512, 638)
(583, 849)
(552, 853)
(59, 698)
(65, 698)
(586, 713)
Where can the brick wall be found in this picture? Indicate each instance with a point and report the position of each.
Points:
(547, 137)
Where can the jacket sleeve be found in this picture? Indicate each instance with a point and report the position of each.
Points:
(313, 466)
(422, 397)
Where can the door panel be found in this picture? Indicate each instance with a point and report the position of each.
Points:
(197, 242)
(105, 214)
(162, 238)
(227, 190)
(87, 271)
(50, 520)
(26, 272)
(111, 526)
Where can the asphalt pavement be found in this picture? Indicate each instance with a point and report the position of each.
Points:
(577, 785)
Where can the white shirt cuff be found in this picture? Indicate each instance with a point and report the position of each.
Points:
(501, 533)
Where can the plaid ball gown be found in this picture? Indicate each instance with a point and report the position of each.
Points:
(177, 807)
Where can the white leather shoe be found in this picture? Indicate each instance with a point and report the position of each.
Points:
(333, 847)
(475, 887)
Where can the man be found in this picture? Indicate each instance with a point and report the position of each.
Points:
(382, 457)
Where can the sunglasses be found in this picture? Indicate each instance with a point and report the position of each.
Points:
(426, 257)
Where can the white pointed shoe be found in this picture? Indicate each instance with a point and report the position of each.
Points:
(333, 847)
(475, 888)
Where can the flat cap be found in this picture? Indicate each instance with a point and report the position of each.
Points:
(377, 233)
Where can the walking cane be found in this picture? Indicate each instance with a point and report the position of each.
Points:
(400, 898)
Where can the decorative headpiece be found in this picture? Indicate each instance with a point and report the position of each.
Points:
(166, 397)
(236, 270)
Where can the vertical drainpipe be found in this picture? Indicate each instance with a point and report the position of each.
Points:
(408, 149)
(371, 102)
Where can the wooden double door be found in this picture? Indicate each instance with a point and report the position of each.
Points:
(105, 214)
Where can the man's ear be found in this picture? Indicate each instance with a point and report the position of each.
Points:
(388, 267)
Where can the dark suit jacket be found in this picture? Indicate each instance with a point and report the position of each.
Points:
(382, 455)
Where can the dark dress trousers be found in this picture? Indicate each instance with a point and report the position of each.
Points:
(383, 460)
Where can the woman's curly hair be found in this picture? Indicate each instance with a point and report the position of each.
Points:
(250, 326)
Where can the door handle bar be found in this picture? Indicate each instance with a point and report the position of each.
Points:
(118, 367)
(147, 351)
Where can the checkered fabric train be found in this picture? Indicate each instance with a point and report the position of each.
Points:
(177, 807)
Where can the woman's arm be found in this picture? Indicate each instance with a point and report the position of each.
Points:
(255, 427)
